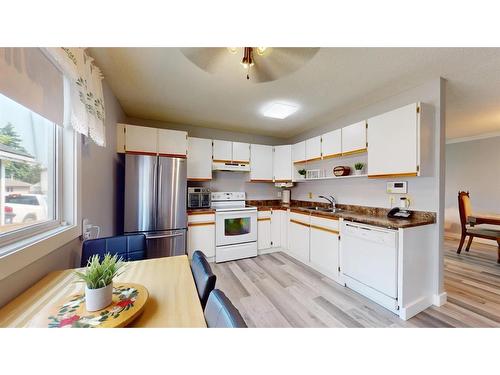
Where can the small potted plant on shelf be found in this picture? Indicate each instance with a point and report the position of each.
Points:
(98, 278)
(358, 168)
(302, 172)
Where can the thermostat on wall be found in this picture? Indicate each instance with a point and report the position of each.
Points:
(397, 187)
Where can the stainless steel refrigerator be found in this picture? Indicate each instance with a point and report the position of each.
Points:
(155, 202)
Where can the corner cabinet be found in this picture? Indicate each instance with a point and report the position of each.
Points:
(199, 161)
(394, 140)
(261, 163)
(282, 163)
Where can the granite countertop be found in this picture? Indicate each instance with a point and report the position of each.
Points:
(361, 214)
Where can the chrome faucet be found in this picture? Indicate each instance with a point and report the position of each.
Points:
(331, 200)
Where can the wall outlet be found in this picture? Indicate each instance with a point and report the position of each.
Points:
(310, 195)
(86, 229)
(279, 194)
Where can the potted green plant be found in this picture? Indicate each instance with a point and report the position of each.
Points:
(98, 278)
(302, 172)
(358, 168)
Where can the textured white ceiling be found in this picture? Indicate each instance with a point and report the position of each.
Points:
(162, 84)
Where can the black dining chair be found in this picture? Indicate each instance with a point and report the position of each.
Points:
(221, 313)
(203, 276)
(131, 247)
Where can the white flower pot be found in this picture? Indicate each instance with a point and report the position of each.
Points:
(358, 172)
(97, 299)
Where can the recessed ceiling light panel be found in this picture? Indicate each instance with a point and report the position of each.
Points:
(279, 110)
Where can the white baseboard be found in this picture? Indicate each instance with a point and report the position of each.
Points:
(415, 307)
(270, 250)
(440, 299)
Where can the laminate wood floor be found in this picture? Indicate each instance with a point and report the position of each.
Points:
(275, 290)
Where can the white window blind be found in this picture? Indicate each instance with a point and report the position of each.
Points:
(29, 78)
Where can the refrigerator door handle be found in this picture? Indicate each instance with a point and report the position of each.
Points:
(164, 236)
(155, 189)
(159, 192)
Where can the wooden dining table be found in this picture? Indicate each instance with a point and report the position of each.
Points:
(173, 300)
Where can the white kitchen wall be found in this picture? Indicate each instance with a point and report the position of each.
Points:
(236, 181)
(472, 166)
(423, 191)
(427, 193)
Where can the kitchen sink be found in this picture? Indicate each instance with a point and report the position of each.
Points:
(323, 209)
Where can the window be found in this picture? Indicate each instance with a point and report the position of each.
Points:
(28, 170)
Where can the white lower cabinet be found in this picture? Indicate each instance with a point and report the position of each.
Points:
(276, 223)
(263, 230)
(298, 236)
(324, 246)
(201, 235)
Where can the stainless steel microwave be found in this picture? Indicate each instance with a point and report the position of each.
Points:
(198, 197)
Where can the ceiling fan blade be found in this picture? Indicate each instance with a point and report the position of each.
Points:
(280, 62)
(206, 59)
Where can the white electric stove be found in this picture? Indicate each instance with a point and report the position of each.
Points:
(235, 226)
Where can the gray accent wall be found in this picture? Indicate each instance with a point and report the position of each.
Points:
(100, 173)
(472, 166)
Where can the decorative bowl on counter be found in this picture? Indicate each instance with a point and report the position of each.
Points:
(341, 171)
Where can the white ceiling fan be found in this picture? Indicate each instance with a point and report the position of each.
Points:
(257, 64)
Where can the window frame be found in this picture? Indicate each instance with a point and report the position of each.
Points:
(23, 247)
(21, 234)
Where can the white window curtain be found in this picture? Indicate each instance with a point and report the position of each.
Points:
(83, 92)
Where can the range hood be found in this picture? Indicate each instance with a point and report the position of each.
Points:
(233, 167)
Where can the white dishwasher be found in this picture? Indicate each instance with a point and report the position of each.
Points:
(369, 262)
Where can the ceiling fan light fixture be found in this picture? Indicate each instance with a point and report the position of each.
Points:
(279, 110)
(261, 50)
(247, 60)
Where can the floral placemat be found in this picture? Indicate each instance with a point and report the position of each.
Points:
(128, 303)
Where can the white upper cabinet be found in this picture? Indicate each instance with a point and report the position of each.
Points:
(199, 160)
(172, 143)
(261, 163)
(393, 142)
(299, 152)
(141, 139)
(354, 137)
(313, 148)
(282, 162)
(223, 150)
(120, 138)
(241, 152)
(331, 145)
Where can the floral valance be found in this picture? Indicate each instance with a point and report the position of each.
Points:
(84, 99)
